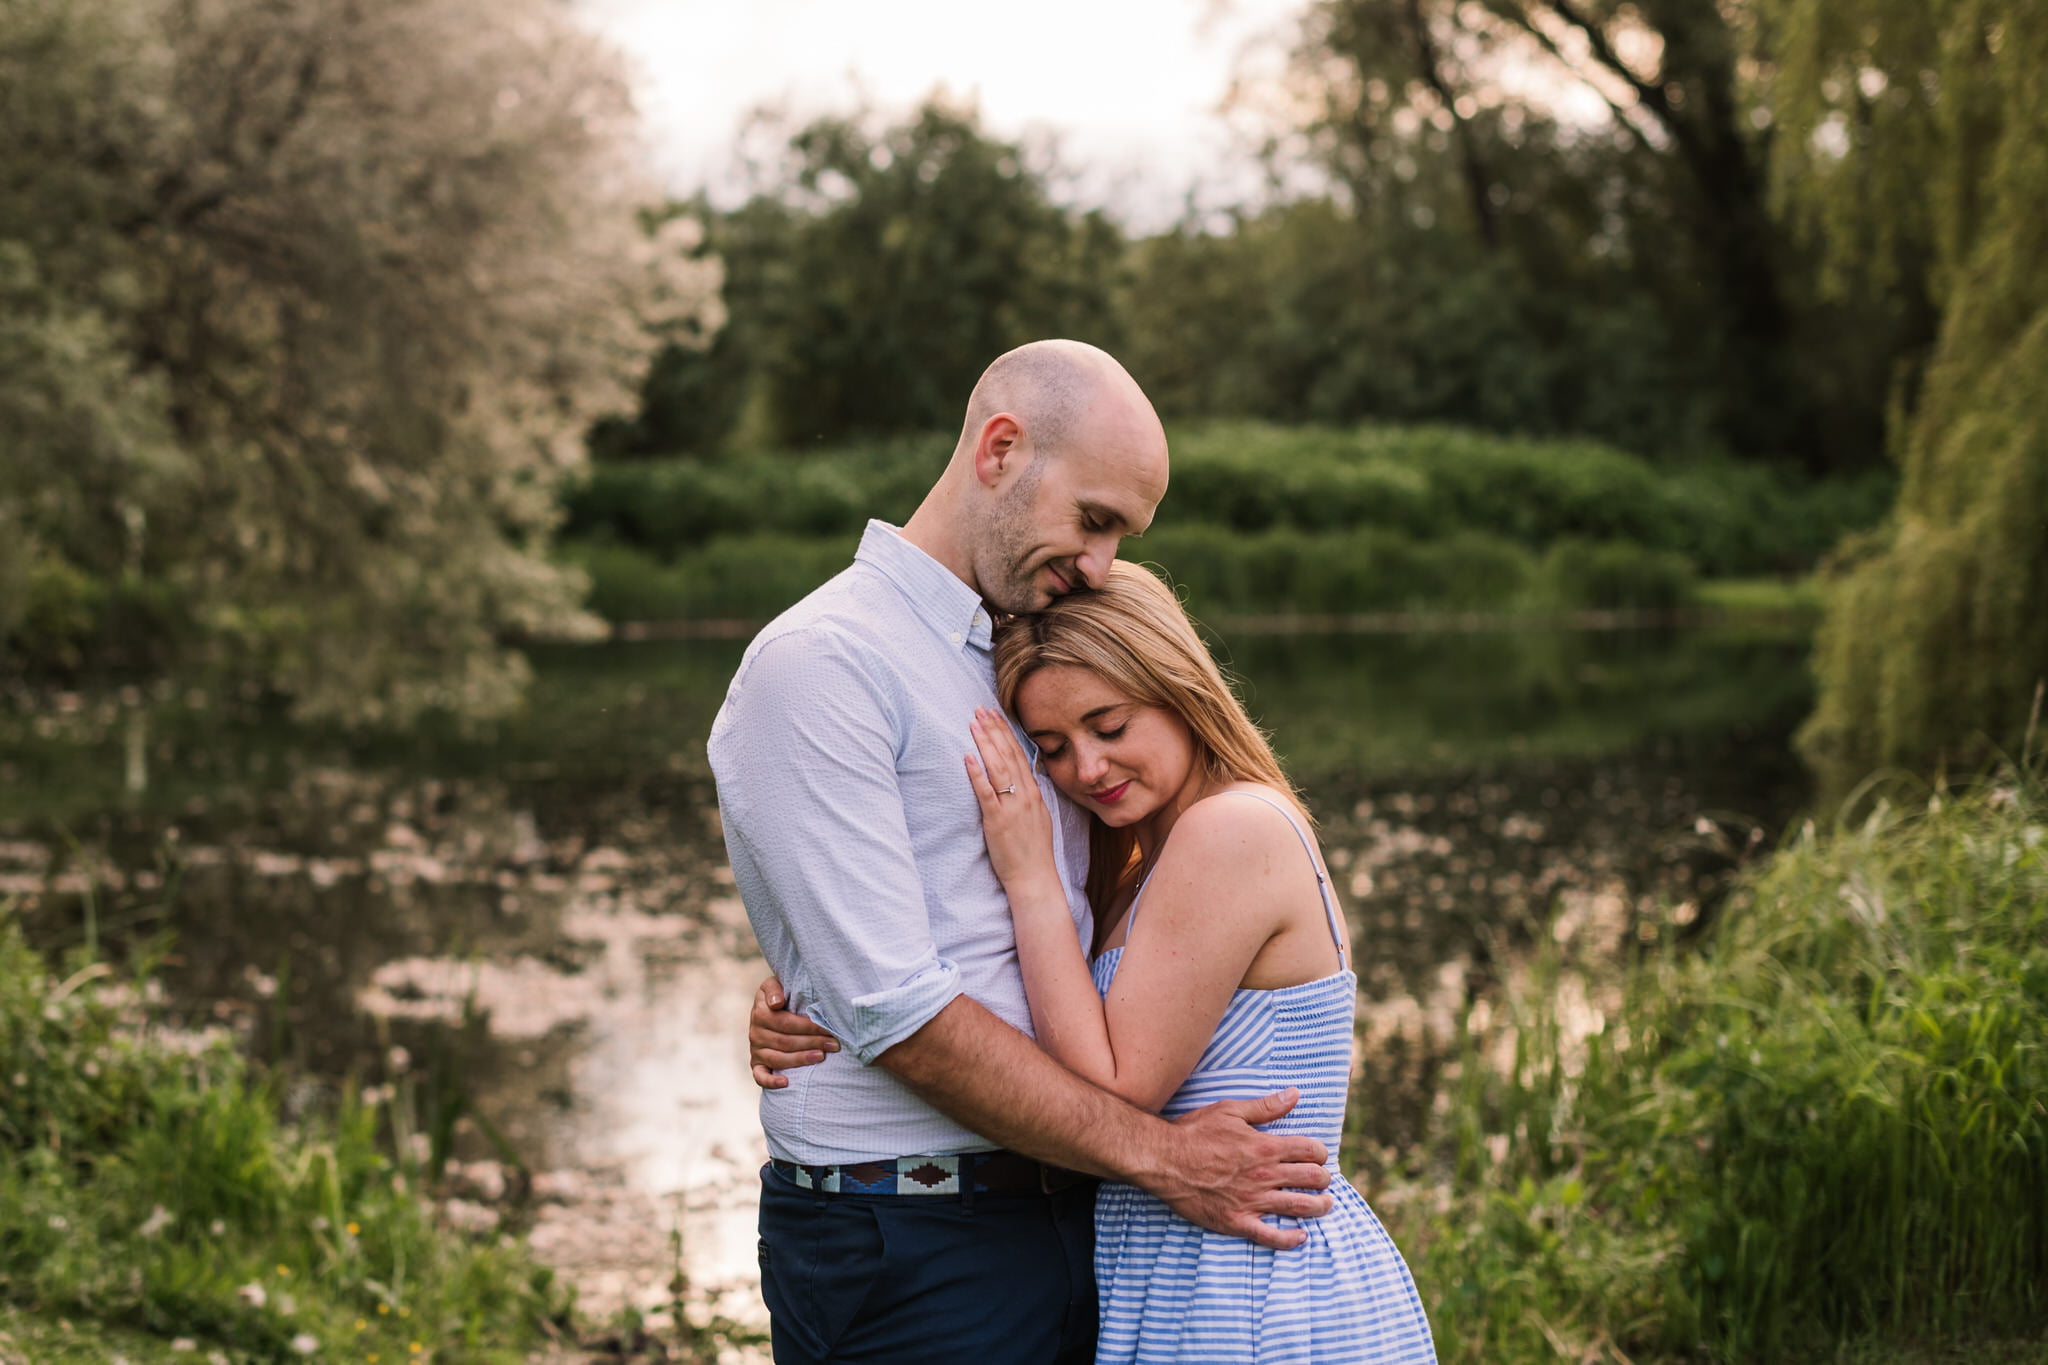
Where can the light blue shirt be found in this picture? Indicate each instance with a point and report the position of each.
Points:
(856, 840)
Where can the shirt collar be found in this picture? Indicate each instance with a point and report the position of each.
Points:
(934, 591)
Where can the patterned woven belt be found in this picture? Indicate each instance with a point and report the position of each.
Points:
(985, 1173)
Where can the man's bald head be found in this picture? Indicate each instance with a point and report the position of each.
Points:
(1053, 389)
(1061, 455)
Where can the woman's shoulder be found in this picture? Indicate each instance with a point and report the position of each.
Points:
(1245, 817)
(1267, 805)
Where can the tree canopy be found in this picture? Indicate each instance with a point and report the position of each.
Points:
(1588, 183)
(874, 273)
(305, 308)
(1931, 116)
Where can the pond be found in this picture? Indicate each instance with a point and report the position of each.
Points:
(534, 926)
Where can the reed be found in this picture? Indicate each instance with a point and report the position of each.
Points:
(1824, 1135)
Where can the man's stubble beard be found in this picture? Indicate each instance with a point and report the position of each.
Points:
(1002, 567)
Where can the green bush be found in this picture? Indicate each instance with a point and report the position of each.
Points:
(1220, 572)
(668, 507)
(1425, 483)
(1825, 1127)
(147, 1180)
(733, 577)
(56, 617)
(1617, 576)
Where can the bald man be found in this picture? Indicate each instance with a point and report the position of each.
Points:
(930, 1193)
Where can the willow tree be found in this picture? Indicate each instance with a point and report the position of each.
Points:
(305, 306)
(1928, 116)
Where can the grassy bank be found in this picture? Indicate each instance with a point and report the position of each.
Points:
(1823, 1137)
(153, 1192)
(1259, 519)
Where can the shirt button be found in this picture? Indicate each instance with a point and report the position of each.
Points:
(956, 637)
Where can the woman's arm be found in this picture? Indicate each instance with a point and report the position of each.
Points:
(1207, 912)
(778, 1041)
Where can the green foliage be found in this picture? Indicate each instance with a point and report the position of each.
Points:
(1578, 310)
(1366, 494)
(1258, 519)
(752, 577)
(1936, 638)
(1310, 311)
(1728, 517)
(747, 577)
(874, 274)
(1537, 270)
(1617, 575)
(147, 1180)
(1222, 571)
(1824, 1127)
(304, 311)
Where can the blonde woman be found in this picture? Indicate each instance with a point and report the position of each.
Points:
(1219, 968)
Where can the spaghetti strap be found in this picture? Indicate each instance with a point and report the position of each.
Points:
(1322, 881)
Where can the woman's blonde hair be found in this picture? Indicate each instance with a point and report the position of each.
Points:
(1134, 635)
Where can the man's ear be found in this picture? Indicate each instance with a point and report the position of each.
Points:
(998, 450)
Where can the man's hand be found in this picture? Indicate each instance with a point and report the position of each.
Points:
(1223, 1174)
(778, 1040)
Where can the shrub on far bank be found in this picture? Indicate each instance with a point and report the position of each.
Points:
(1616, 576)
(1425, 483)
(732, 578)
(1822, 1133)
(1220, 573)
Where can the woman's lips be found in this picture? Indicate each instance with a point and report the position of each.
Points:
(1112, 796)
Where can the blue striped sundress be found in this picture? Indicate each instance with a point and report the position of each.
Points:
(1172, 1291)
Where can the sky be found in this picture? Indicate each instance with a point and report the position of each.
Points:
(1131, 89)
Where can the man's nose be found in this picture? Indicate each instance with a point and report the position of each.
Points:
(1093, 562)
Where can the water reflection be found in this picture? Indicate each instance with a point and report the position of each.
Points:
(542, 911)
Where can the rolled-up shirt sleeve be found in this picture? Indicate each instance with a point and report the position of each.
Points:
(805, 753)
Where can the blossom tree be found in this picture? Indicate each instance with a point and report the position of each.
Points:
(305, 308)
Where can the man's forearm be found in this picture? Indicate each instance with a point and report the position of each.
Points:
(1211, 1167)
(977, 1070)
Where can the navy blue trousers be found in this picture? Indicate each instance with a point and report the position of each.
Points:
(994, 1279)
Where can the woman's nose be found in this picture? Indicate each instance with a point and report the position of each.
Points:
(1089, 764)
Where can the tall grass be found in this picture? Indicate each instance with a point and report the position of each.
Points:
(1829, 1126)
(149, 1181)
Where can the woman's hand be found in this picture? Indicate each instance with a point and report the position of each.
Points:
(1014, 819)
(778, 1040)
